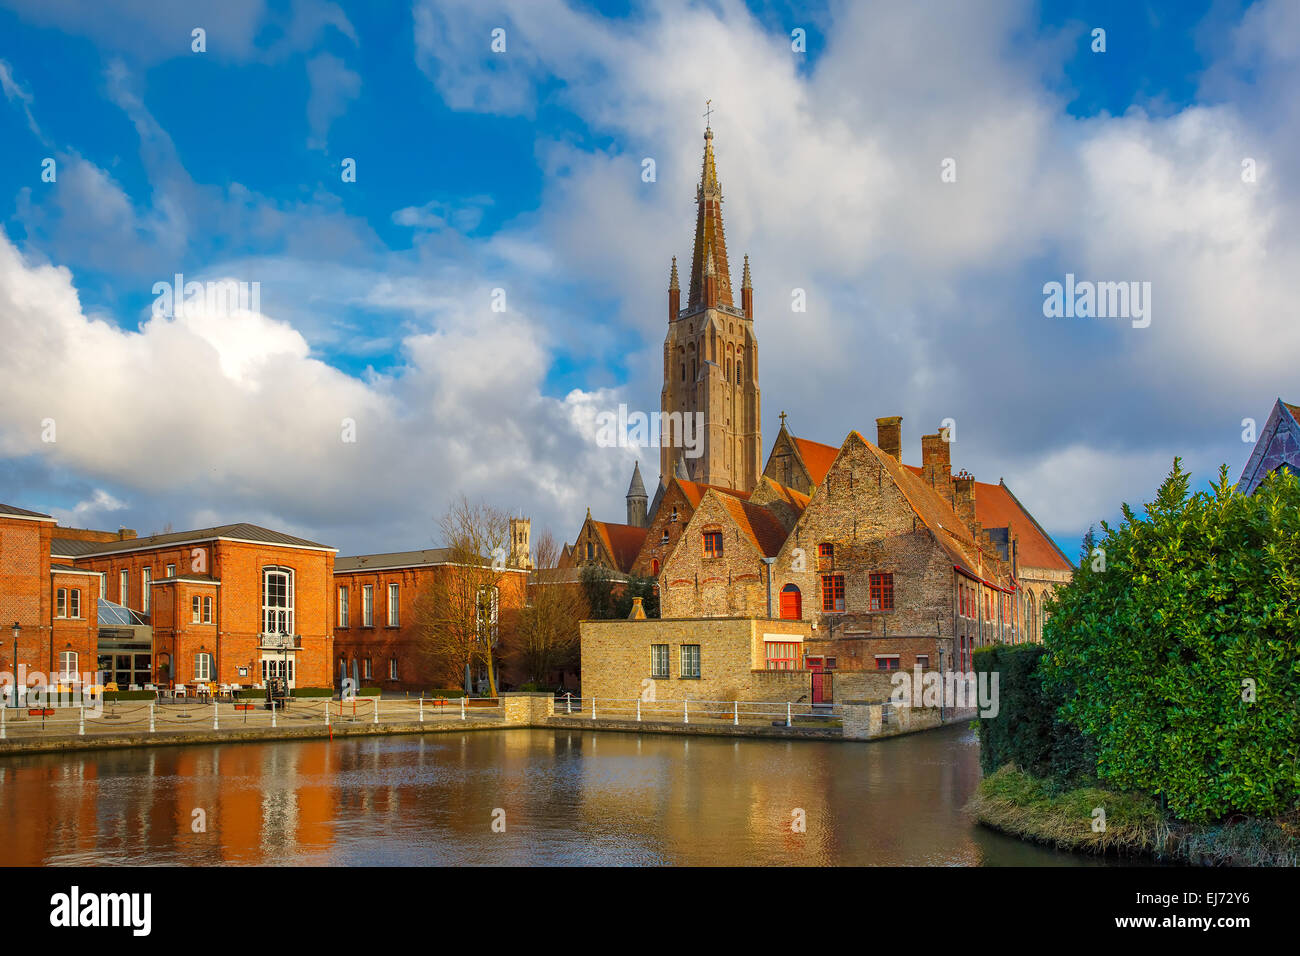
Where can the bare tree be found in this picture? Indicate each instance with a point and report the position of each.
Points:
(545, 638)
(458, 614)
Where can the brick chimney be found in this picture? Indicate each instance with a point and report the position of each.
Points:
(125, 534)
(964, 497)
(936, 465)
(889, 435)
(638, 611)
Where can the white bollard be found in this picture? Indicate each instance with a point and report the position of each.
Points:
(686, 712)
(638, 709)
(421, 708)
(462, 708)
(81, 728)
(151, 706)
(214, 716)
(593, 708)
(272, 711)
(327, 712)
(568, 703)
(375, 701)
(787, 713)
(4, 731)
(735, 713)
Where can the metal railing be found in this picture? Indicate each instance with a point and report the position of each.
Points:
(734, 712)
(194, 714)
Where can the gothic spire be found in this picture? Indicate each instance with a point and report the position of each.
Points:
(709, 236)
(672, 279)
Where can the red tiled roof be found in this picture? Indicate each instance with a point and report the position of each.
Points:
(694, 491)
(624, 542)
(997, 507)
(757, 523)
(795, 499)
(817, 458)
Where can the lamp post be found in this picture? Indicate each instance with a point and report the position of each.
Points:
(18, 629)
(285, 638)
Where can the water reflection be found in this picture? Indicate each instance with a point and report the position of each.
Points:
(568, 797)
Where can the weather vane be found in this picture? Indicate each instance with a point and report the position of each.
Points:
(708, 112)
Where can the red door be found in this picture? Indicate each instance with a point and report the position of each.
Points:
(820, 681)
(791, 603)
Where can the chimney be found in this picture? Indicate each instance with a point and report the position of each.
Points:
(638, 612)
(125, 534)
(936, 464)
(964, 497)
(889, 435)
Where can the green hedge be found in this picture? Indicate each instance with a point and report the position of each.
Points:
(313, 692)
(130, 695)
(1178, 654)
(444, 692)
(1027, 730)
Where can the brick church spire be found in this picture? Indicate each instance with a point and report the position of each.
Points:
(709, 237)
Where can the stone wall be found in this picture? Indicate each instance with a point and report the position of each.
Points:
(616, 659)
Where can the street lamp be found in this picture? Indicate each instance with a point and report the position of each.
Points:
(18, 629)
(285, 637)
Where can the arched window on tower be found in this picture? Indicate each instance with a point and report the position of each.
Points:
(740, 379)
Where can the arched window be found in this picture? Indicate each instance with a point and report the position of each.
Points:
(740, 378)
(1031, 618)
(277, 600)
(791, 603)
(654, 566)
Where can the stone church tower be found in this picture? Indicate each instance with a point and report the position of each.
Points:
(711, 357)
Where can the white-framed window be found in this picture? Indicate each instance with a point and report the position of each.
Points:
(365, 669)
(74, 602)
(195, 605)
(343, 607)
(203, 667)
(61, 603)
(123, 587)
(146, 578)
(67, 665)
(277, 600)
(392, 668)
(207, 610)
(659, 661)
(367, 605)
(392, 605)
(691, 660)
(171, 570)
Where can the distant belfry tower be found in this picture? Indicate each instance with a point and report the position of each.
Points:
(711, 356)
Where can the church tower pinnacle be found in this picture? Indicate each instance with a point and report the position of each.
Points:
(710, 397)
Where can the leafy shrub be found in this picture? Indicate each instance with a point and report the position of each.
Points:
(1157, 655)
(1027, 730)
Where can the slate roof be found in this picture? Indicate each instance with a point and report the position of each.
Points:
(65, 547)
(394, 559)
(21, 512)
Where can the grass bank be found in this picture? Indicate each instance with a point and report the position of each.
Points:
(1040, 810)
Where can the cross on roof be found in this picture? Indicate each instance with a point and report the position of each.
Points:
(708, 112)
(782, 417)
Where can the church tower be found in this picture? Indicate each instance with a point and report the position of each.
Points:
(711, 358)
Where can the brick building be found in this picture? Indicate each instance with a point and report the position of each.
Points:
(378, 634)
(230, 604)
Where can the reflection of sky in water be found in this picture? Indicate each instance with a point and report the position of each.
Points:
(570, 797)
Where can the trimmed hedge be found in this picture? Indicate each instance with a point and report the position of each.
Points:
(312, 692)
(1026, 730)
(1177, 648)
(130, 695)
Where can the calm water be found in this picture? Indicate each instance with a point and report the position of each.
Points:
(568, 797)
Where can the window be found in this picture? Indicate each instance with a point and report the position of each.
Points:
(367, 605)
(664, 538)
(365, 668)
(123, 587)
(171, 570)
(659, 661)
(672, 518)
(207, 610)
(67, 665)
(882, 592)
(203, 667)
(923, 661)
(654, 568)
(343, 607)
(781, 656)
(392, 668)
(74, 602)
(61, 602)
(739, 378)
(830, 663)
(886, 662)
(825, 555)
(146, 578)
(194, 609)
(713, 544)
(277, 600)
(392, 605)
(832, 592)
(691, 661)
(591, 550)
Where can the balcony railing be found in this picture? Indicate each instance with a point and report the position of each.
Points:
(281, 641)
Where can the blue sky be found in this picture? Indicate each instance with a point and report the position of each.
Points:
(521, 171)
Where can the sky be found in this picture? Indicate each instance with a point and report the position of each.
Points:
(454, 317)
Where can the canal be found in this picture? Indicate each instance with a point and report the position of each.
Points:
(559, 796)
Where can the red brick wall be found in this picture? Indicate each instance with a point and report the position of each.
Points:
(25, 595)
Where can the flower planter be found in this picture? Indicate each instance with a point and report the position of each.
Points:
(45, 712)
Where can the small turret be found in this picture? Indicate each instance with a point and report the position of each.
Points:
(637, 499)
